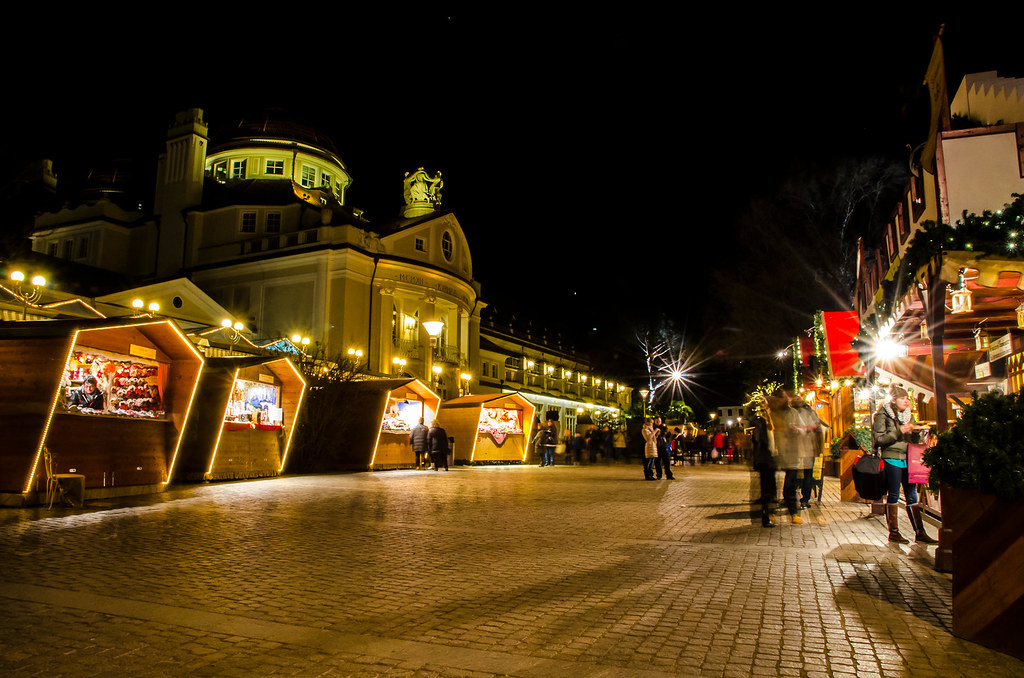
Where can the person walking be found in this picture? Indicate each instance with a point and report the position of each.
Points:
(437, 443)
(764, 464)
(891, 428)
(418, 440)
(650, 448)
(547, 439)
(664, 458)
(619, 445)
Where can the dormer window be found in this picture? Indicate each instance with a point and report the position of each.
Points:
(308, 179)
(275, 167)
(220, 171)
(420, 246)
(238, 169)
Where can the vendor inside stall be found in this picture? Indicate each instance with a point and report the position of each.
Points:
(87, 396)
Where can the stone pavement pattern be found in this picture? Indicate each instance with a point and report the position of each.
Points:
(522, 571)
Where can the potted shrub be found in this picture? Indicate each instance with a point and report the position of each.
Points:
(979, 467)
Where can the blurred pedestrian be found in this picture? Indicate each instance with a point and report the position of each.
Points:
(664, 458)
(650, 448)
(763, 459)
(437, 443)
(418, 440)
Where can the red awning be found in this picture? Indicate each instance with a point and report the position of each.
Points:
(840, 329)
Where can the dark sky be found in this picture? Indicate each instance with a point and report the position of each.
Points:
(598, 161)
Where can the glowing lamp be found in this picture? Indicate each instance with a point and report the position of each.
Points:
(225, 323)
(38, 280)
(961, 301)
(981, 340)
(154, 307)
(305, 341)
(238, 326)
(138, 304)
(433, 327)
(436, 369)
(924, 330)
(17, 276)
(296, 338)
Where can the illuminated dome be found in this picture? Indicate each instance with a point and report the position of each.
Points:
(272, 145)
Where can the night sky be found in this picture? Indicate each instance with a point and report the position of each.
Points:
(600, 162)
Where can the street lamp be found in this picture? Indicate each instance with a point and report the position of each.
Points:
(30, 295)
(465, 379)
(643, 394)
(433, 328)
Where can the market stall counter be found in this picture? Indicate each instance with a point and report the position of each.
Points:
(246, 409)
(491, 428)
(106, 399)
(375, 419)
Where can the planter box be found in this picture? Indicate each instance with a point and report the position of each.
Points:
(987, 538)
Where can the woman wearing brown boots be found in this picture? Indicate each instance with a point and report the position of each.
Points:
(891, 427)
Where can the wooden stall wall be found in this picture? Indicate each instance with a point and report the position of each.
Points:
(32, 373)
(109, 451)
(487, 449)
(461, 423)
(248, 454)
(204, 425)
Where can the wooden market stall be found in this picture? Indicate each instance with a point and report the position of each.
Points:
(489, 428)
(246, 409)
(123, 443)
(375, 418)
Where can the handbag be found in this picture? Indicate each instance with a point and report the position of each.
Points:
(869, 477)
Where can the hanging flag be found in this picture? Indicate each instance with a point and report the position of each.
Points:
(935, 79)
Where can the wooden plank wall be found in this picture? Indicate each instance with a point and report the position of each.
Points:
(204, 424)
(988, 568)
(110, 451)
(248, 454)
(394, 451)
(32, 372)
(488, 450)
(461, 423)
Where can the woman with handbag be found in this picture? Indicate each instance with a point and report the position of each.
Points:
(891, 429)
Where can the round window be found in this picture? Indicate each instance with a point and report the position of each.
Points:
(447, 246)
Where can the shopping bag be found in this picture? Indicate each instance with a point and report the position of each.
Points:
(869, 477)
(819, 462)
(917, 472)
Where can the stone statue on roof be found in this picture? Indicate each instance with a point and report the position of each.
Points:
(422, 193)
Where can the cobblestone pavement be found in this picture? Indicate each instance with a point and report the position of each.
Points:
(522, 571)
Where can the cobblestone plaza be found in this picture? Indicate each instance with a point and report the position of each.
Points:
(522, 571)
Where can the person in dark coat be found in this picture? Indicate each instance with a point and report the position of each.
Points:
(437, 443)
(418, 440)
(764, 463)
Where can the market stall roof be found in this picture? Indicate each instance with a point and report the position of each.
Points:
(995, 288)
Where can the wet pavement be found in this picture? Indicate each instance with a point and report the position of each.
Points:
(522, 571)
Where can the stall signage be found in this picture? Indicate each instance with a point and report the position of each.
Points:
(982, 370)
(142, 351)
(999, 348)
(267, 378)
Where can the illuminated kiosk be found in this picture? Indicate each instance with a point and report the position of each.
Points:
(489, 428)
(147, 371)
(244, 419)
(376, 418)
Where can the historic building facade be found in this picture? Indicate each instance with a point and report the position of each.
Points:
(258, 220)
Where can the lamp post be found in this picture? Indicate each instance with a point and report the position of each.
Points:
(643, 394)
(27, 296)
(433, 329)
(465, 380)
